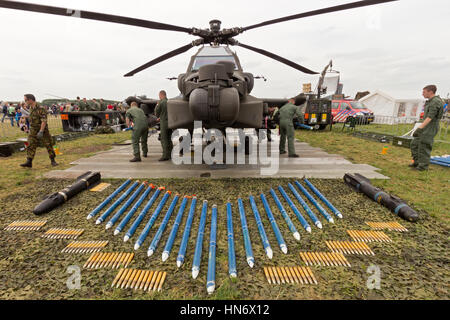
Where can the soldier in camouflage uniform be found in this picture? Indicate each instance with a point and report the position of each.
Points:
(166, 133)
(422, 144)
(38, 131)
(287, 114)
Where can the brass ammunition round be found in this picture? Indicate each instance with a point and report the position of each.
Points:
(122, 277)
(305, 278)
(272, 277)
(149, 279)
(130, 257)
(311, 275)
(285, 275)
(162, 281)
(303, 257)
(280, 273)
(266, 273)
(275, 273)
(152, 283)
(144, 279)
(91, 258)
(130, 279)
(135, 279)
(155, 287)
(312, 259)
(116, 263)
(298, 275)
(119, 274)
(139, 280)
(289, 274)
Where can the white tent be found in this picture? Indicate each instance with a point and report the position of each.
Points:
(390, 110)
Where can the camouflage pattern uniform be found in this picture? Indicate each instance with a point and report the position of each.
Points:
(38, 115)
(422, 145)
(166, 133)
(287, 115)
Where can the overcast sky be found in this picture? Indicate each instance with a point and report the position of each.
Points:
(397, 47)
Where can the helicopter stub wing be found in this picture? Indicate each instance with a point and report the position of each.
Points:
(148, 105)
(277, 102)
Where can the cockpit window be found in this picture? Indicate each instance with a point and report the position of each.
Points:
(203, 61)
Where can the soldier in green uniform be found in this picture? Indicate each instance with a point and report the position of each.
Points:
(82, 105)
(137, 116)
(38, 131)
(95, 106)
(287, 114)
(422, 144)
(166, 133)
(103, 105)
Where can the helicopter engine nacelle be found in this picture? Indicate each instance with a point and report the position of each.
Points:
(250, 81)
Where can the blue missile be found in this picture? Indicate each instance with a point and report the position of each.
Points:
(162, 227)
(324, 200)
(108, 200)
(127, 204)
(305, 207)
(274, 225)
(232, 271)
(314, 202)
(173, 233)
(131, 213)
(300, 218)
(247, 242)
(187, 232)
(262, 232)
(285, 215)
(139, 219)
(199, 246)
(211, 278)
(152, 221)
(113, 207)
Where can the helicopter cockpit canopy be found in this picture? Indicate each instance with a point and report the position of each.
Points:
(212, 55)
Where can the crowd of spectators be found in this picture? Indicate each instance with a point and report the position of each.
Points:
(17, 113)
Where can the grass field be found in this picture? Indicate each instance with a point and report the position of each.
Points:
(427, 191)
(414, 266)
(10, 134)
(401, 129)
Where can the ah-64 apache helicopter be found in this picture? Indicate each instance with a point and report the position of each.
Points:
(215, 89)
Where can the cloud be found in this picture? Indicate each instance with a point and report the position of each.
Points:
(394, 46)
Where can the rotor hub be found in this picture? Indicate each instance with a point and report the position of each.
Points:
(215, 25)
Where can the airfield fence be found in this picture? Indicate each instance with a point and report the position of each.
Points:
(395, 126)
(9, 133)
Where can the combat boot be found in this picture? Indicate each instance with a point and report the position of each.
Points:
(53, 162)
(136, 160)
(28, 164)
(294, 156)
(163, 159)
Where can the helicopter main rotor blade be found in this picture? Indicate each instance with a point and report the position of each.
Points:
(164, 57)
(90, 15)
(276, 57)
(342, 7)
